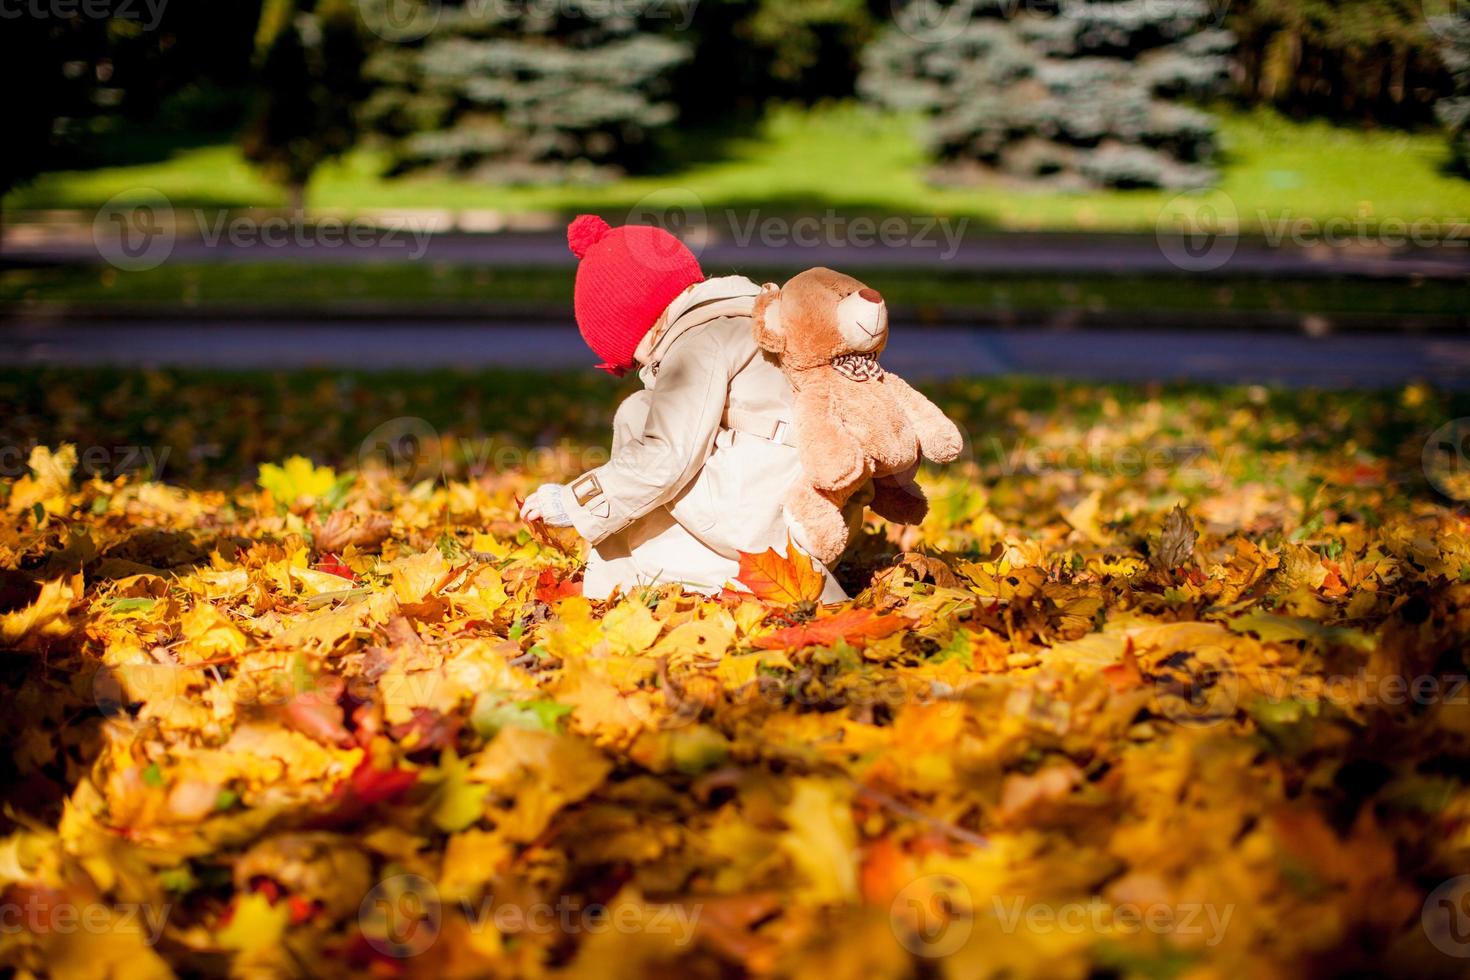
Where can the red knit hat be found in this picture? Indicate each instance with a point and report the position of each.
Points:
(627, 278)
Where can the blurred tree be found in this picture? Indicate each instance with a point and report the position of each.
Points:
(1369, 60)
(56, 71)
(1454, 110)
(523, 92)
(1075, 92)
(309, 84)
(128, 87)
(749, 52)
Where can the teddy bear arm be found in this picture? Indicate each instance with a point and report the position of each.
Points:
(822, 528)
(939, 438)
(831, 456)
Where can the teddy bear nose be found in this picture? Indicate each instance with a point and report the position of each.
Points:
(871, 295)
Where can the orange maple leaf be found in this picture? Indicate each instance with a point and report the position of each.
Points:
(853, 626)
(1125, 675)
(885, 871)
(781, 580)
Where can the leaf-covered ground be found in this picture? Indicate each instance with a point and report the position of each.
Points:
(1171, 684)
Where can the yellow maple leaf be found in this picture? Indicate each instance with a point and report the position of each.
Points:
(48, 482)
(256, 924)
(208, 633)
(1083, 518)
(488, 544)
(707, 637)
(458, 803)
(45, 616)
(630, 627)
(416, 575)
(297, 479)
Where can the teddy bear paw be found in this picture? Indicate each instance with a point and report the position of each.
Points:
(944, 446)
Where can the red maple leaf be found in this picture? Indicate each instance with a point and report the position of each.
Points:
(369, 784)
(853, 626)
(549, 588)
(333, 565)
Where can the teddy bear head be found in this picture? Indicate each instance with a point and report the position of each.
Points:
(818, 317)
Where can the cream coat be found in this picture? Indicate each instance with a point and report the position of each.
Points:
(683, 493)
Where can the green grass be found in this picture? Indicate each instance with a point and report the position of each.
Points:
(919, 292)
(854, 160)
(218, 426)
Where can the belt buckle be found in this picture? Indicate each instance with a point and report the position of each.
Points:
(586, 490)
(778, 431)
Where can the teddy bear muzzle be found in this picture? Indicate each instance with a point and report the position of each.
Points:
(862, 319)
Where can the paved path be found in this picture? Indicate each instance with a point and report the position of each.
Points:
(918, 353)
(984, 253)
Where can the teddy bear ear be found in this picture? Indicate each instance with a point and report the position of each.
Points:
(770, 332)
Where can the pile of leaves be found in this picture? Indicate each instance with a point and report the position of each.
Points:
(1166, 686)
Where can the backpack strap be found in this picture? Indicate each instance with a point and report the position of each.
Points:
(768, 427)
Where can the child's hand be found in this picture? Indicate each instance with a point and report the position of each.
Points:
(545, 505)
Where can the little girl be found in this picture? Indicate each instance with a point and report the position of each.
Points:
(702, 458)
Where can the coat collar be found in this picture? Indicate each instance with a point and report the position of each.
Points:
(700, 303)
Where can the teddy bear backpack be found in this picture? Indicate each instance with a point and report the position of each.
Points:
(855, 421)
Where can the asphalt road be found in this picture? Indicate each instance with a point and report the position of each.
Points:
(737, 249)
(916, 353)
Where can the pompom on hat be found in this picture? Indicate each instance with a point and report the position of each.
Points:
(626, 279)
